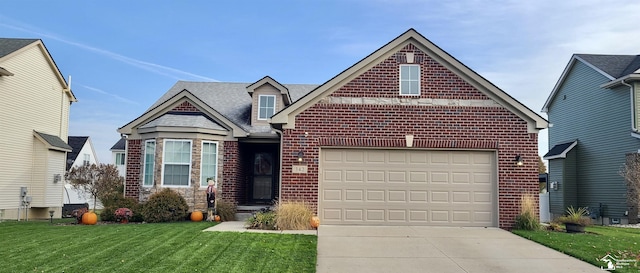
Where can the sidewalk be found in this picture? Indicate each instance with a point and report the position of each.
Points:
(238, 226)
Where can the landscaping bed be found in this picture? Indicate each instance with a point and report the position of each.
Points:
(594, 245)
(38, 246)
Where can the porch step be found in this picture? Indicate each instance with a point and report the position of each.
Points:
(243, 212)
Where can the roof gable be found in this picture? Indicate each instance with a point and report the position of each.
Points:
(613, 67)
(268, 80)
(11, 46)
(76, 143)
(159, 110)
(286, 117)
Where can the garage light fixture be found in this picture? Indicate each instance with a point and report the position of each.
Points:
(519, 161)
(300, 156)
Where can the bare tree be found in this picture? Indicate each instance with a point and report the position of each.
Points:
(631, 173)
(100, 181)
(541, 167)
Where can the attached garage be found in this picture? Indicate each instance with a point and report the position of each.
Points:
(361, 186)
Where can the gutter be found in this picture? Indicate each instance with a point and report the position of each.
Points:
(281, 134)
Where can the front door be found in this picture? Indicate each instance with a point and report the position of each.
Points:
(262, 186)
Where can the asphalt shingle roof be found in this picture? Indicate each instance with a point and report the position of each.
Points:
(559, 149)
(8, 45)
(182, 120)
(54, 141)
(614, 65)
(230, 99)
(120, 145)
(76, 143)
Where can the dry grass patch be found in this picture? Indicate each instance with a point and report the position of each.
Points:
(293, 215)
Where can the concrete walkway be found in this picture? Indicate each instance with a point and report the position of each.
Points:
(238, 226)
(436, 249)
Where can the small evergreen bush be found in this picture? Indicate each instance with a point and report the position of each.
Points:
(165, 206)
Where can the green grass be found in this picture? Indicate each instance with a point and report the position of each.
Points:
(622, 243)
(172, 247)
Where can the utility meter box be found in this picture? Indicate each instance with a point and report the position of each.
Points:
(23, 191)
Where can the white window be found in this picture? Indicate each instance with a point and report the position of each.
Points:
(410, 79)
(149, 162)
(119, 159)
(266, 106)
(87, 159)
(209, 164)
(176, 169)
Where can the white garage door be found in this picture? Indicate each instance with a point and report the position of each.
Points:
(407, 187)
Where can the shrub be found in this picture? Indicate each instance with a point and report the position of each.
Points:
(226, 210)
(527, 219)
(123, 214)
(264, 219)
(165, 206)
(293, 215)
(108, 213)
(575, 216)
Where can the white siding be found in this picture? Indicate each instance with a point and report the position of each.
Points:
(33, 99)
(76, 196)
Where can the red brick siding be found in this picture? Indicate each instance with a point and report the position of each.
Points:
(232, 173)
(383, 80)
(134, 168)
(185, 107)
(452, 127)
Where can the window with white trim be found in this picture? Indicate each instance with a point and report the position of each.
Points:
(410, 79)
(176, 163)
(119, 159)
(209, 164)
(149, 162)
(87, 159)
(266, 106)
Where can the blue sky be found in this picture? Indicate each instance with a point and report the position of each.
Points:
(123, 55)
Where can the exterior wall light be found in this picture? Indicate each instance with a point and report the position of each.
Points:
(519, 161)
(300, 156)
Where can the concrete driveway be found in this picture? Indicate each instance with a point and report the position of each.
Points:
(436, 249)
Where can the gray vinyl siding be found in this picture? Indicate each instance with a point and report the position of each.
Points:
(564, 172)
(556, 197)
(601, 121)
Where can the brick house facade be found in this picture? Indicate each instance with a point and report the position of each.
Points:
(360, 114)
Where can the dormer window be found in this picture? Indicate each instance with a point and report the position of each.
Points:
(410, 79)
(266, 106)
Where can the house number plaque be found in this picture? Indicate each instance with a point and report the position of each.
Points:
(299, 169)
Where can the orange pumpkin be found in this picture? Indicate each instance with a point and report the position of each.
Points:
(217, 218)
(315, 222)
(89, 218)
(196, 216)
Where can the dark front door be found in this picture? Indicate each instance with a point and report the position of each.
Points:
(262, 182)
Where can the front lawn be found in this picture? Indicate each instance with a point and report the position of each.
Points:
(172, 247)
(621, 243)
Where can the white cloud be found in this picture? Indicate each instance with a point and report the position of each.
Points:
(169, 72)
(100, 91)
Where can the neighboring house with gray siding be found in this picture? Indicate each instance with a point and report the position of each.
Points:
(34, 117)
(593, 125)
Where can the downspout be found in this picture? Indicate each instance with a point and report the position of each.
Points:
(633, 104)
(280, 133)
